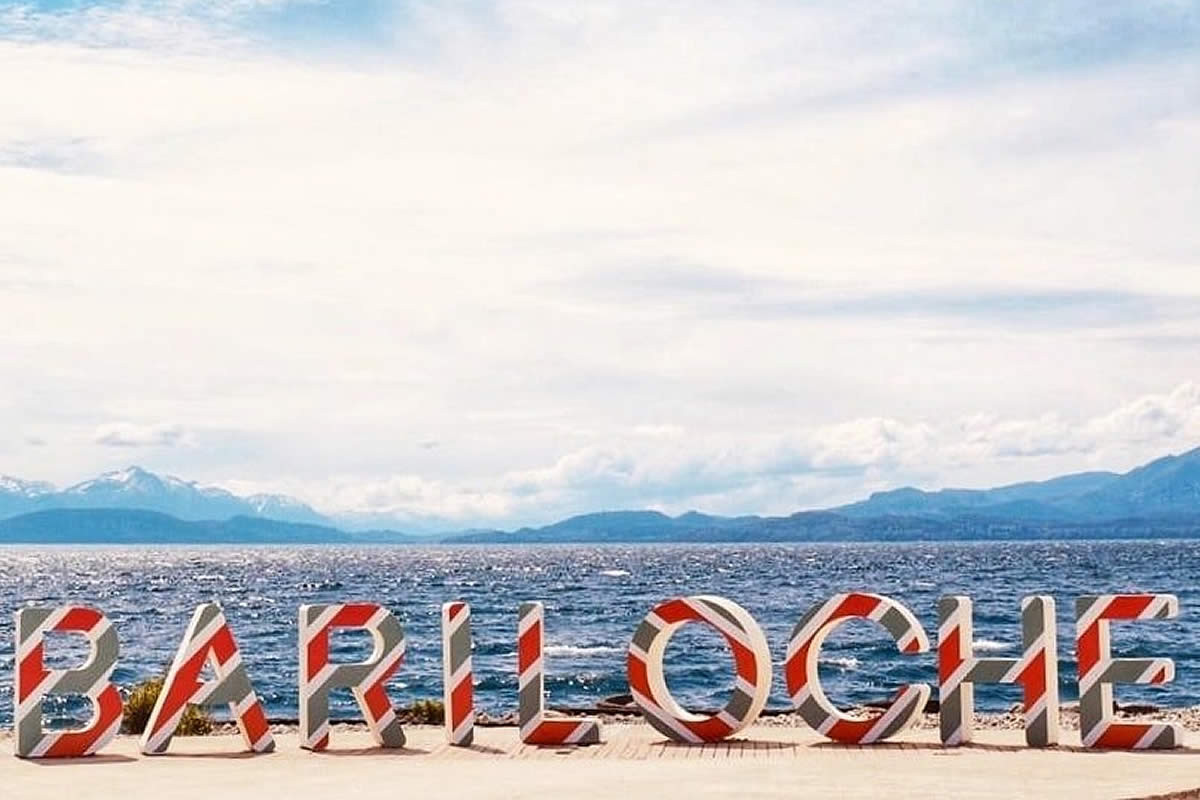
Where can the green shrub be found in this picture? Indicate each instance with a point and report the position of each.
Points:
(140, 702)
(426, 712)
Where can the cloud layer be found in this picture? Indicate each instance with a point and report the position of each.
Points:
(602, 255)
(676, 470)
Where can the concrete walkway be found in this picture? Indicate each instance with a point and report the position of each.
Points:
(633, 763)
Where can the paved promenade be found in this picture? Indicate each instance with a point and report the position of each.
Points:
(633, 763)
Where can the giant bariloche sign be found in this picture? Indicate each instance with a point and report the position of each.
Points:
(209, 640)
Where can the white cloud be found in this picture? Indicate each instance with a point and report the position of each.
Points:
(1152, 421)
(128, 434)
(1155, 418)
(417, 497)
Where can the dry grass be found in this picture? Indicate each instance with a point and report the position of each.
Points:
(140, 702)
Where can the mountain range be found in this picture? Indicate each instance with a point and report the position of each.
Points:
(1169, 485)
(136, 488)
(1159, 499)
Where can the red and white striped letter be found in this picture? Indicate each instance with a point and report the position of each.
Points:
(803, 678)
(458, 683)
(208, 640)
(366, 679)
(751, 658)
(33, 682)
(1036, 670)
(531, 715)
(1098, 671)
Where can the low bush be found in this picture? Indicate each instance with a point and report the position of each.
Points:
(140, 702)
(426, 712)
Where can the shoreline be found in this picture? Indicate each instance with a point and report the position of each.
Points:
(1012, 720)
(633, 761)
(1188, 717)
(1191, 535)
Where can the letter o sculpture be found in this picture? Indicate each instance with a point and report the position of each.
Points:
(751, 655)
(804, 683)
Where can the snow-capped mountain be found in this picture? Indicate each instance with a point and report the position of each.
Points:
(17, 496)
(282, 507)
(11, 485)
(136, 488)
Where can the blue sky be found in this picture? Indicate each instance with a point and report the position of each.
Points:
(498, 262)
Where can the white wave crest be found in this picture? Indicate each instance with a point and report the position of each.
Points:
(844, 663)
(991, 645)
(579, 650)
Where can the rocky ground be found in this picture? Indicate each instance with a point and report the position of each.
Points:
(1188, 717)
(1011, 720)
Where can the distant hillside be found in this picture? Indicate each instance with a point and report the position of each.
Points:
(828, 526)
(633, 526)
(123, 526)
(1167, 486)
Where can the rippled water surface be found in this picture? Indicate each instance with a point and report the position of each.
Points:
(594, 597)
